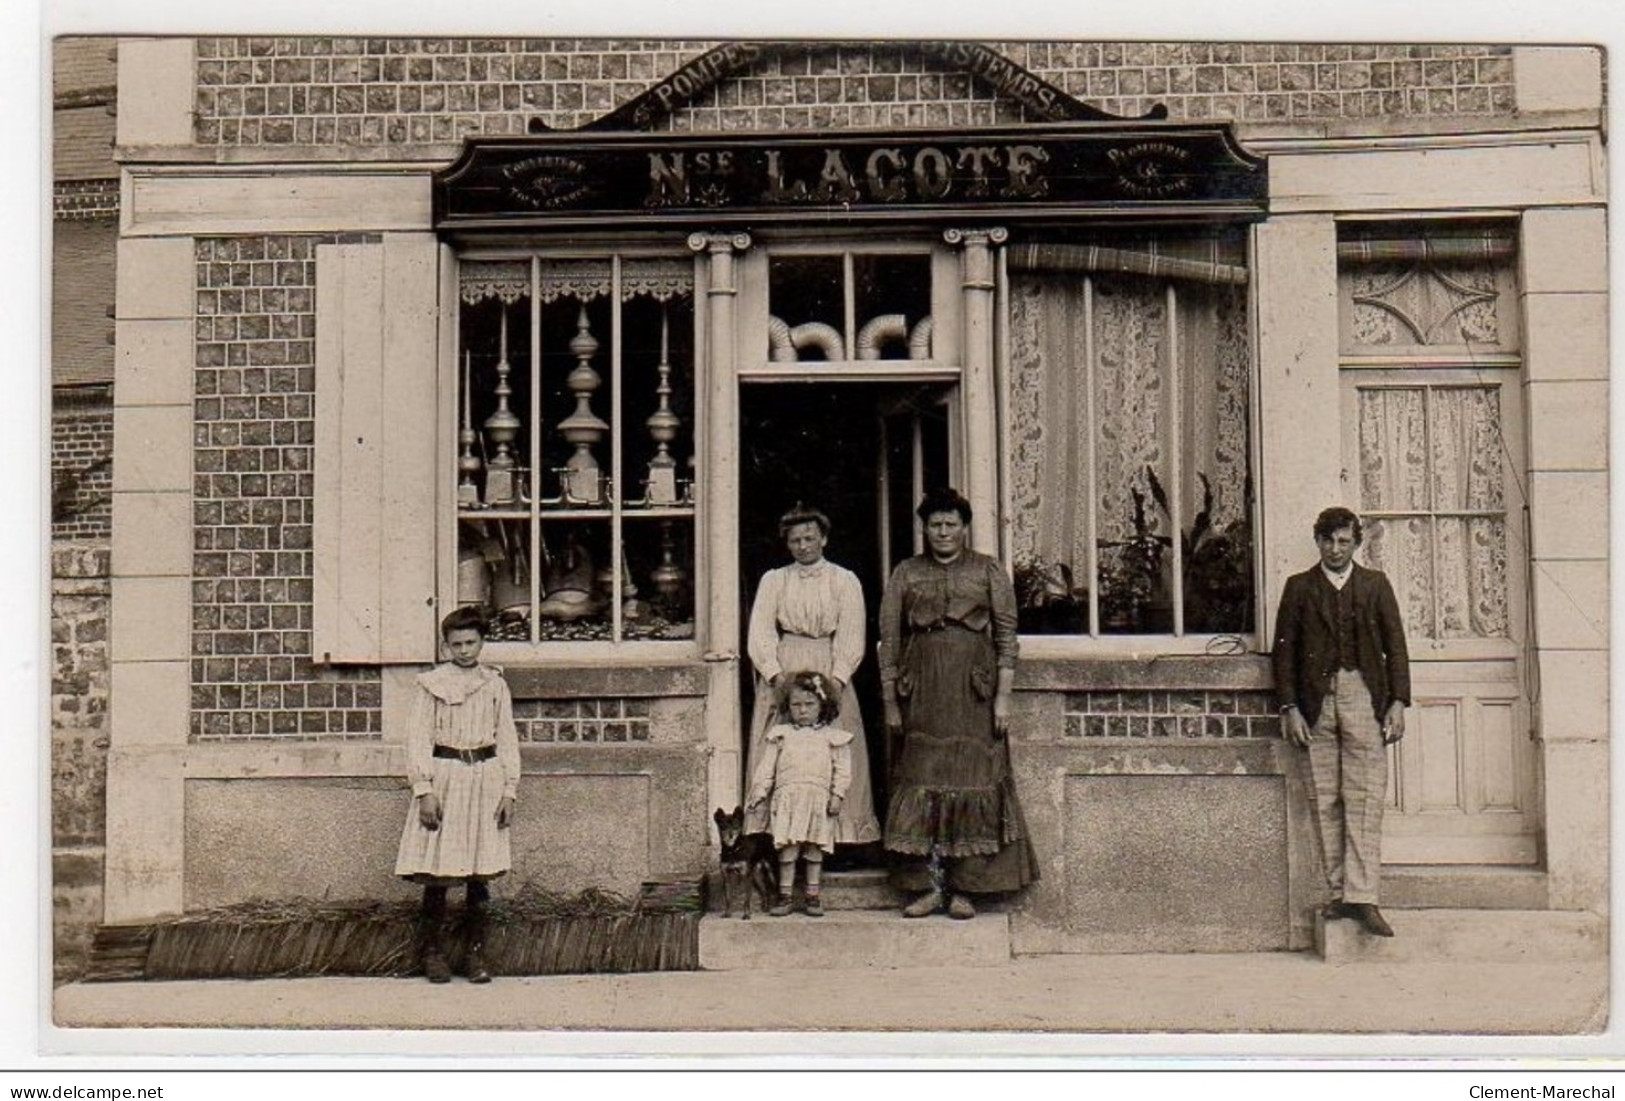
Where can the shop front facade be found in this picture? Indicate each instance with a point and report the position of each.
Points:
(559, 329)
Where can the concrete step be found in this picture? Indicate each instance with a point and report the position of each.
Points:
(845, 939)
(1463, 887)
(861, 889)
(1527, 936)
(853, 889)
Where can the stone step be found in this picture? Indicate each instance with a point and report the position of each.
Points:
(845, 939)
(1453, 934)
(853, 889)
(1463, 887)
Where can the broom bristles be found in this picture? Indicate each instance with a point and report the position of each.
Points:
(530, 932)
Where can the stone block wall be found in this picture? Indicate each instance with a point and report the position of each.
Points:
(1171, 715)
(79, 740)
(253, 503)
(583, 720)
(323, 91)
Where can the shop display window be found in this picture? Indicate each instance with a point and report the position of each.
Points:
(575, 470)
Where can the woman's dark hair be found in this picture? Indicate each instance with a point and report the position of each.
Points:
(944, 499)
(1335, 519)
(467, 618)
(829, 704)
(802, 514)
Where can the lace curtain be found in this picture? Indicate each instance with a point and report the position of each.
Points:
(660, 278)
(1133, 409)
(1435, 453)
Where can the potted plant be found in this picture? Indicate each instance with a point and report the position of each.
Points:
(1217, 563)
(1133, 590)
(1047, 603)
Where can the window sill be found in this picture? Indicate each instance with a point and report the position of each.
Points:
(582, 670)
(1052, 669)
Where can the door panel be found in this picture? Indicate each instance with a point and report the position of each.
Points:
(1431, 453)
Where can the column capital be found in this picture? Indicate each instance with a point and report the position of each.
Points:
(980, 237)
(719, 242)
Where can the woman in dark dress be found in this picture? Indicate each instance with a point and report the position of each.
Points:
(947, 665)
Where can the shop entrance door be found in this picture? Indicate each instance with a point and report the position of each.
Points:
(861, 452)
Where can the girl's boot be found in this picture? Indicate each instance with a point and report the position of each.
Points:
(474, 965)
(431, 947)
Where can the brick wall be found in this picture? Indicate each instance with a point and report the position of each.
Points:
(78, 199)
(81, 63)
(81, 464)
(84, 259)
(79, 738)
(414, 91)
(1158, 714)
(252, 674)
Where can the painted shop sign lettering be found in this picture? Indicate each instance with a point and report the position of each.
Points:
(885, 175)
(1011, 172)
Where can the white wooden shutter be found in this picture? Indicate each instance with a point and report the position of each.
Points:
(376, 427)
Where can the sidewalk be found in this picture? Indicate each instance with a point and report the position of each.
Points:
(1271, 993)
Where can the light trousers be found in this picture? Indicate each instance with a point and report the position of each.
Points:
(1348, 769)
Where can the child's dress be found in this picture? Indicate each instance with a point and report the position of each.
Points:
(469, 710)
(802, 766)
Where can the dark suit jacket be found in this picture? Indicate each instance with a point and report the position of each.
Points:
(1306, 640)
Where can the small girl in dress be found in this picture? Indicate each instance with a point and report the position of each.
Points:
(462, 756)
(803, 775)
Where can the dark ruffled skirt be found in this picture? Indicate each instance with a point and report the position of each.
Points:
(952, 788)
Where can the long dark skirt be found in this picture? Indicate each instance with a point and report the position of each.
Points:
(952, 789)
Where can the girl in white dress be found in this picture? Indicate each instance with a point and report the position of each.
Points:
(801, 782)
(462, 755)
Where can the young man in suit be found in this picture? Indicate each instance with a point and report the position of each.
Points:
(1342, 680)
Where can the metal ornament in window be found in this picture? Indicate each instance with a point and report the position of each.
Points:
(468, 463)
(663, 425)
(502, 429)
(583, 480)
(669, 579)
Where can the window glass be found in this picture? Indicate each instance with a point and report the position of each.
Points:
(575, 464)
(1130, 477)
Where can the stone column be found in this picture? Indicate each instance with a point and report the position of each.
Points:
(1564, 256)
(1298, 468)
(1299, 432)
(978, 391)
(718, 493)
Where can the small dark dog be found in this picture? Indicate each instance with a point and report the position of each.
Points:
(748, 858)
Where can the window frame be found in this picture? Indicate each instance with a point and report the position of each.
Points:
(1449, 373)
(1093, 642)
(540, 652)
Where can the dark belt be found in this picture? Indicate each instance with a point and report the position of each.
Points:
(467, 756)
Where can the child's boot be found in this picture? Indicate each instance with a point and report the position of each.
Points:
(814, 889)
(474, 965)
(431, 947)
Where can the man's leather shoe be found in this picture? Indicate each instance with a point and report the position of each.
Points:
(1332, 911)
(1370, 919)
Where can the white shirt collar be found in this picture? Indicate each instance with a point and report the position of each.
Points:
(1338, 580)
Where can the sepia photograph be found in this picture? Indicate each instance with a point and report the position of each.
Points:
(840, 540)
